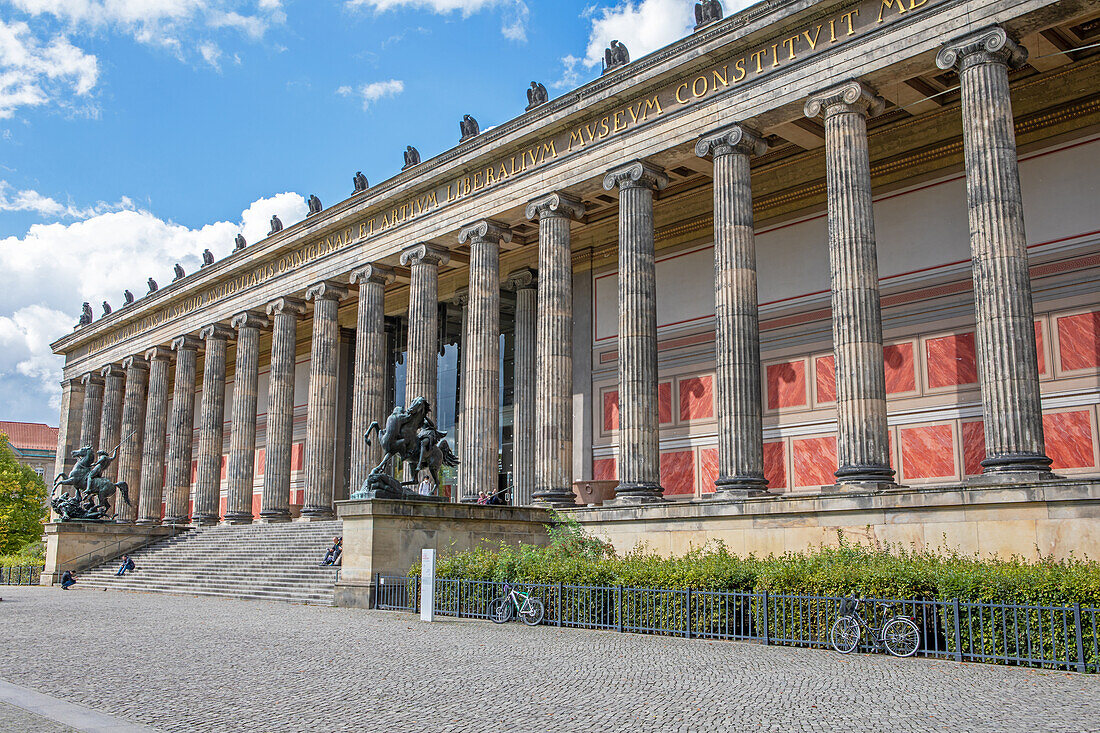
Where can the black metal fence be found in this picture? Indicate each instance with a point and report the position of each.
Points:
(20, 575)
(1052, 637)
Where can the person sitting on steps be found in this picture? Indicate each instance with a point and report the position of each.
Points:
(332, 557)
(67, 580)
(126, 566)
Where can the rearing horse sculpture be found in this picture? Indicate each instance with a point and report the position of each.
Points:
(412, 436)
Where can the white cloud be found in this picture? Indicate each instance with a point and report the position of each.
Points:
(211, 54)
(46, 206)
(515, 12)
(642, 27)
(33, 73)
(373, 91)
(54, 267)
(570, 76)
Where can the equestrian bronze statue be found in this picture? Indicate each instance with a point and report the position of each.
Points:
(411, 437)
(90, 500)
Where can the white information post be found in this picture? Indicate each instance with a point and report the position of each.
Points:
(427, 585)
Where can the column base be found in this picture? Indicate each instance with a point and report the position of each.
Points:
(734, 488)
(237, 518)
(316, 515)
(870, 474)
(862, 487)
(204, 521)
(273, 518)
(631, 494)
(176, 521)
(1033, 464)
(147, 522)
(554, 499)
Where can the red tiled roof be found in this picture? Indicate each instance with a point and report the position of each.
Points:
(30, 435)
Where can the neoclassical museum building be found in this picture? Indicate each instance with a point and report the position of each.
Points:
(817, 265)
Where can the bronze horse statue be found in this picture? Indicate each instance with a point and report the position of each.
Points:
(92, 490)
(412, 436)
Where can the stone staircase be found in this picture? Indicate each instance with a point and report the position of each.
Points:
(276, 562)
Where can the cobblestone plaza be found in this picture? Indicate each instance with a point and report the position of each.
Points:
(178, 663)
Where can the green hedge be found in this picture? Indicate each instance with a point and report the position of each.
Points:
(875, 571)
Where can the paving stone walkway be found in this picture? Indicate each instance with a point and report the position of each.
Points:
(178, 663)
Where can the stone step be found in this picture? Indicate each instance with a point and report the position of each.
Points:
(224, 587)
(317, 600)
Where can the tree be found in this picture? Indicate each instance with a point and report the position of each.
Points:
(22, 502)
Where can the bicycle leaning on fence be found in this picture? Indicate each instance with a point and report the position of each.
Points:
(529, 608)
(899, 634)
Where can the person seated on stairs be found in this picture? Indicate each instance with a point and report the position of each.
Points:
(126, 566)
(332, 557)
(67, 580)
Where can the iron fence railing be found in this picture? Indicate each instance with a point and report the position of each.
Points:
(20, 575)
(1051, 637)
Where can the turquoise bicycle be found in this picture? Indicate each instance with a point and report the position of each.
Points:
(529, 608)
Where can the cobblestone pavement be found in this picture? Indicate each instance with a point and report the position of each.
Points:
(182, 663)
(17, 719)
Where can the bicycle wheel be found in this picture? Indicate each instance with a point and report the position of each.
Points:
(901, 636)
(532, 612)
(500, 610)
(844, 635)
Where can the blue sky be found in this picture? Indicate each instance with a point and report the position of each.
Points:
(136, 133)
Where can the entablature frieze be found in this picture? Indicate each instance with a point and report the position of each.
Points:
(297, 261)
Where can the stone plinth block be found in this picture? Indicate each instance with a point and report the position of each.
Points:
(77, 546)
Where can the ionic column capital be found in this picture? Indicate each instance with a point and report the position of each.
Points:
(72, 383)
(372, 273)
(91, 379)
(850, 96)
(135, 362)
(249, 319)
(522, 279)
(424, 253)
(734, 138)
(286, 306)
(186, 343)
(558, 205)
(218, 331)
(990, 45)
(326, 290)
(636, 174)
(158, 353)
(461, 298)
(485, 231)
(112, 370)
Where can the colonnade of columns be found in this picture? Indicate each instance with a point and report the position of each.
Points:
(131, 399)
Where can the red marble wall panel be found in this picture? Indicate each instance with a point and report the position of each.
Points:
(708, 468)
(221, 506)
(604, 469)
(678, 472)
(664, 402)
(1079, 341)
(297, 498)
(225, 466)
(259, 470)
(194, 471)
(825, 374)
(696, 398)
(786, 384)
(296, 451)
(257, 501)
(775, 464)
(814, 461)
(1069, 439)
(1040, 352)
(951, 360)
(611, 410)
(927, 451)
(973, 442)
(901, 373)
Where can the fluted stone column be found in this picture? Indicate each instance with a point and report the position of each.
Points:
(639, 456)
(110, 423)
(133, 432)
(208, 471)
(275, 503)
(736, 308)
(862, 437)
(156, 425)
(554, 348)
(462, 300)
(241, 466)
(181, 431)
(92, 410)
(68, 433)
(369, 385)
(1007, 362)
(523, 281)
(320, 453)
(481, 370)
(421, 372)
